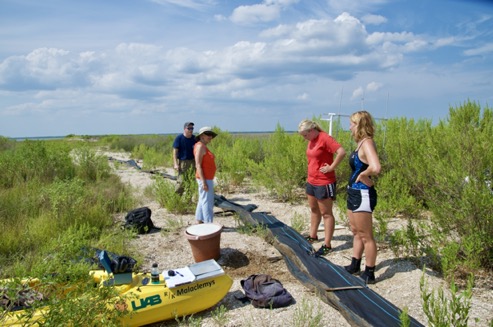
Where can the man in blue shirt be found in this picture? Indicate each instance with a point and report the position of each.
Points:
(183, 158)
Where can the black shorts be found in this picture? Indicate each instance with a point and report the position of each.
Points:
(361, 200)
(322, 192)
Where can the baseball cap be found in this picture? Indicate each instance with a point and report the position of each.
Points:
(188, 123)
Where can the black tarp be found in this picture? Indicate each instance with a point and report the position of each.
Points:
(361, 306)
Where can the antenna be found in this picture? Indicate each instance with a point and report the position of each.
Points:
(331, 116)
(340, 100)
(386, 115)
(330, 119)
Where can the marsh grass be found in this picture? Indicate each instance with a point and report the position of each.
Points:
(442, 309)
(219, 315)
(190, 321)
(173, 224)
(164, 192)
(307, 315)
(58, 198)
(298, 223)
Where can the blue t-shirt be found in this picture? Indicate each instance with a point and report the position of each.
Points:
(184, 146)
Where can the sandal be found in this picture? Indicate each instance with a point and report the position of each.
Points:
(311, 240)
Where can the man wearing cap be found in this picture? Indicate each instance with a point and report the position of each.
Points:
(183, 158)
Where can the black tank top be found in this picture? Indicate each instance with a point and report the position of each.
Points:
(357, 167)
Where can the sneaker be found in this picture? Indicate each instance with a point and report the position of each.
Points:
(311, 240)
(324, 250)
(369, 278)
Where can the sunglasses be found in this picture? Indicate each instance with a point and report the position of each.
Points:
(209, 133)
(190, 128)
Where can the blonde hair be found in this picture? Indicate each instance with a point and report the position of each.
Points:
(306, 125)
(364, 125)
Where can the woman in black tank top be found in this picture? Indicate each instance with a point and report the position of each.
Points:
(362, 196)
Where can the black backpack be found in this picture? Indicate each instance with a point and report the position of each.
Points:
(266, 292)
(140, 220)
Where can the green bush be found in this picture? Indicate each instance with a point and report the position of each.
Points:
(58, 186)
(444, 311)
(164, 192)
(283, 171)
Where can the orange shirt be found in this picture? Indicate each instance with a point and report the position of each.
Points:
(319, 151)
(208, 163)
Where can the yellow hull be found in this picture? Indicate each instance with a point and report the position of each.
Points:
(149, 303)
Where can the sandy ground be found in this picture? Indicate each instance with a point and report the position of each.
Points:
(243, 255)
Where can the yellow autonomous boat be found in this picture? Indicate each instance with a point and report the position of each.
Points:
(180, 292)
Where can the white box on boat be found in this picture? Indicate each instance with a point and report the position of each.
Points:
(194, 272)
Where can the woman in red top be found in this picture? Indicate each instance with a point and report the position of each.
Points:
(321, 181)
(206, 169)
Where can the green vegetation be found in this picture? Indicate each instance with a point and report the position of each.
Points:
(307, 315)
(443, 310)
(59, 196)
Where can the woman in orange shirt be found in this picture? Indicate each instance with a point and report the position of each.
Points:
(205, 171)
(321, 181)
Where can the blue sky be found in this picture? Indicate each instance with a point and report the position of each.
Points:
(146, 66)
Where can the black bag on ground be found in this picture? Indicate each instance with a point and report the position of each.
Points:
(266, 292)
(118, 263)
(140, 220)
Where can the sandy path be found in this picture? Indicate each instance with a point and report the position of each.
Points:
(397, 280)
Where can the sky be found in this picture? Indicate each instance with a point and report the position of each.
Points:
(98, 67)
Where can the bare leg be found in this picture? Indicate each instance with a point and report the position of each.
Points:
(325, 206)
(315, 216)
(362, 228)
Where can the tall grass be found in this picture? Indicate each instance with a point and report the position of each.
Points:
(49, 189)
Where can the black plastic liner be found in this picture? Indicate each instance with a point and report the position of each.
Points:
(349, 294)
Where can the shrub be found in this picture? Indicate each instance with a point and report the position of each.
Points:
(283, 170)
(164, 192)
(443, 311)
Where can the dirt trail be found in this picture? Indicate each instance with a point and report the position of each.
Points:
(243, 255)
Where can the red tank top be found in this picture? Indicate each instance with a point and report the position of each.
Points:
(208, 164)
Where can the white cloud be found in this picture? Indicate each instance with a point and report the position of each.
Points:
(303, 97)
(358, 93)
(46, 68)
(190, 4)
(354, 6)
(334, 49)
(373, 19)
(220, 18)
(373, 86)
(259, 13)
(267, 11)
(482, 50)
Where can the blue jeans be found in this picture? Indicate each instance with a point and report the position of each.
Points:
(205, 205)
